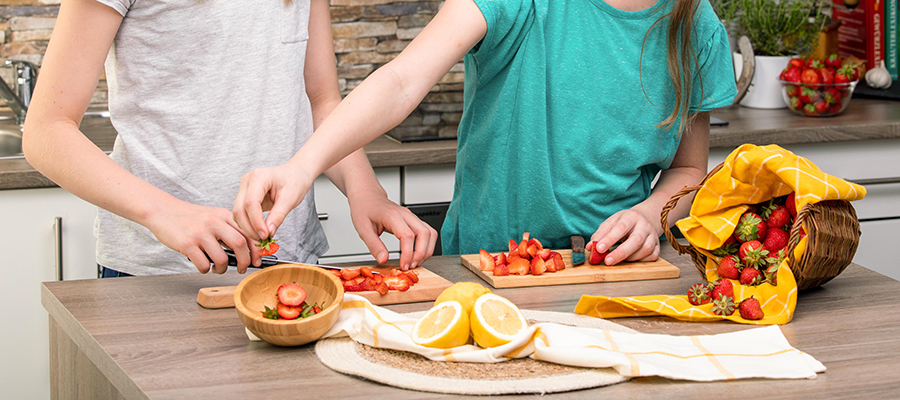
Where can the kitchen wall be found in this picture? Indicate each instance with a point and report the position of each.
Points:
(367, 34)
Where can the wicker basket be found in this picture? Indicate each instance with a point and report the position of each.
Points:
(832, 238)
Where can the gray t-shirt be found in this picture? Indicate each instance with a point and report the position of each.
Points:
(200, 93)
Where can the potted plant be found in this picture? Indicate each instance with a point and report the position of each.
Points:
(778, 30)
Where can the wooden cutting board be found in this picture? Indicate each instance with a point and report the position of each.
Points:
(585, 273)
(428, 288)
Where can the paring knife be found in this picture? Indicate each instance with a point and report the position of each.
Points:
(577, 250)
(268, 261)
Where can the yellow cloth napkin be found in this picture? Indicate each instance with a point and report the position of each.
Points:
(752, 353)
(751, 174)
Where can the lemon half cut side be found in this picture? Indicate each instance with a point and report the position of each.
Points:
(444, 326)
(495, 321)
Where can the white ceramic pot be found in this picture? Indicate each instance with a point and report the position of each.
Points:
(765, 89)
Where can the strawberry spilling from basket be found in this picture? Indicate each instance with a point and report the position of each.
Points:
(751, 256)
(819, 87)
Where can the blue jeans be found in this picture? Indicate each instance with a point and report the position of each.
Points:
(103, 272)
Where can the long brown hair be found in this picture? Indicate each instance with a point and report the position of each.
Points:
(680, 56)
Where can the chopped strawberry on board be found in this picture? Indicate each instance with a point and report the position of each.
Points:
(366, 272)
(501, 259)
(397, 282)
(519, 266)
(413, 276)
(558, 262)
(486, 260)
(538, 266)
(349, 273)
(501, 270)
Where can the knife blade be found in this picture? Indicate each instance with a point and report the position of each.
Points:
(577, 250)
(268, 261)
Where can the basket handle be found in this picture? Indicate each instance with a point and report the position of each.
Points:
(794, 239)
(664, 216)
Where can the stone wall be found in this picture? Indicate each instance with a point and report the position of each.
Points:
(367, 34)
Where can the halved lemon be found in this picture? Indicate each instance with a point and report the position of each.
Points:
(444, 326)
(495, 321)
(464, 292)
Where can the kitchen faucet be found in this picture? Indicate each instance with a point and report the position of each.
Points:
(26, 77)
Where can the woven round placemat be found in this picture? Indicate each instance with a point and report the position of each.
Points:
(526, 375)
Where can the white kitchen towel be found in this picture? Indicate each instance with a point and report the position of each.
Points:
(752, 353)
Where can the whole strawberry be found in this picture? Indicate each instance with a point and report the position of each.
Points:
(723, 306)
(751, 277)
(698, 294)
(752, 254)
(729, 267)
(776, 240)
(722, 288)
(791, 204)
(750, 309)
(776, 216)
(750, 227)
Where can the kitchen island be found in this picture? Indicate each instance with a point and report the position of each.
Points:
(146, 337)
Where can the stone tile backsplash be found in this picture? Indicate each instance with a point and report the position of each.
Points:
(367, 34)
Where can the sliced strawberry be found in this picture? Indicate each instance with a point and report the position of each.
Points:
(267, 246)
(378, 278)
(519, 266)
(398, 282)
(291, 294)
(532, 251)
(538, 266)
(337, 273)
(513, 246)
(501, 259)
(544, 253)
(536, 243)
(413, 276)
(596, 257)
(349, 273)
(501, 270)
(382, 288)
(526, 236)
(288, 312)
(523, 249)
(368, 283)
(366, 272)
(486, 261)
(557, 261)
(317, 309)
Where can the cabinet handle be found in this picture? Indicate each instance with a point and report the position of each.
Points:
(323, 216)
(57, 229)
(875, 181)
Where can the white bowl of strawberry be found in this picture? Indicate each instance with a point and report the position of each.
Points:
(818, 87)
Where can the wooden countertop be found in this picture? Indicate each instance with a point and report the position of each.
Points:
(146, 337)
(863, 119)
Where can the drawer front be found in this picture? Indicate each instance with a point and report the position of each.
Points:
(878, 250)
(334, 214)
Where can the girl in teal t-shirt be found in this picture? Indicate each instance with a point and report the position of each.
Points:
(571, 110)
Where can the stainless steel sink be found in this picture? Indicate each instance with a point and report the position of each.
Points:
(94, 124)
(10, 141)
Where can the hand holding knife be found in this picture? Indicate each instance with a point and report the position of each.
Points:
(268, 261)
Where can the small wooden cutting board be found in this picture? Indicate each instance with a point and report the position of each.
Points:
(428, 288)
(586, 273)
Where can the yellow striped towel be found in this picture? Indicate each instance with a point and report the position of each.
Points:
(750, 175)
(751, 353)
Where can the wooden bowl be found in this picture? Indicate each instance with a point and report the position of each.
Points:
(258, 290)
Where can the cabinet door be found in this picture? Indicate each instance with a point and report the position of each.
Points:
(28, 246)
(334, 214)
(878, 249)
(428, 184)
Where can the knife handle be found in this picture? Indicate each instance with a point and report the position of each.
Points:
(267, 261)
(577, 243)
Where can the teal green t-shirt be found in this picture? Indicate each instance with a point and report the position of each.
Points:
(559, 125)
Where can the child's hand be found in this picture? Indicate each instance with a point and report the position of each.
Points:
(199, 233)
(275, 189)
(639, 237)
(373, 214)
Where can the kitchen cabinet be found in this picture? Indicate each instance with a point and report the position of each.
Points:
(334, 215)
(875, 165)
(28, 244)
